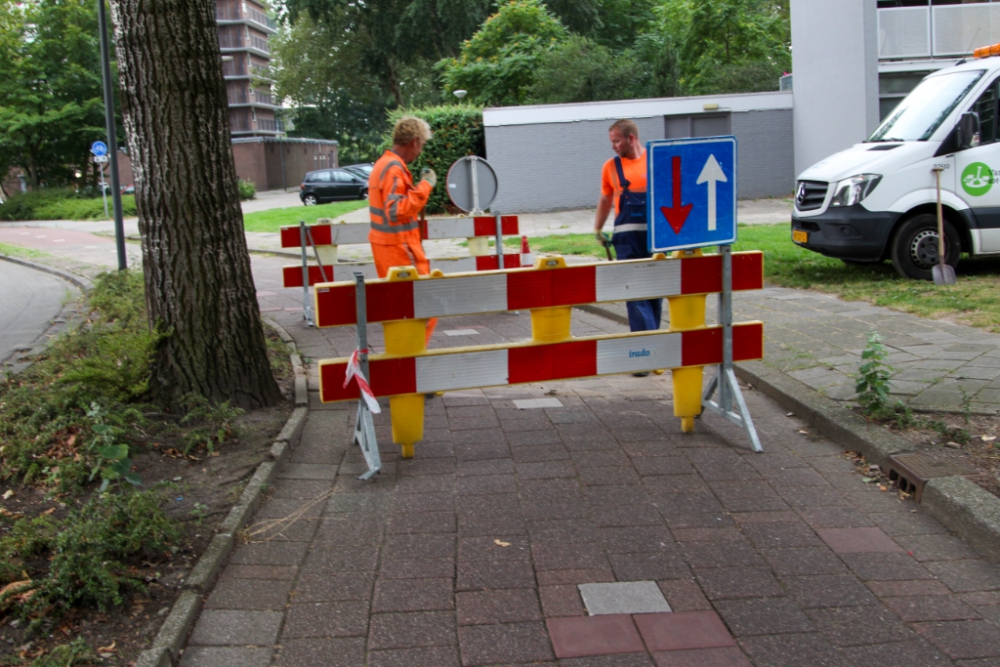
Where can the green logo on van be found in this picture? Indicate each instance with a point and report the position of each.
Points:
(977, 179)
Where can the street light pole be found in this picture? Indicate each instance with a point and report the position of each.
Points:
(109, 121)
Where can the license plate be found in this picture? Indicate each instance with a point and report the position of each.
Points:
(799, 236)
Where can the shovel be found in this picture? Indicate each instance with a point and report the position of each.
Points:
(607, 248)
(944, 274)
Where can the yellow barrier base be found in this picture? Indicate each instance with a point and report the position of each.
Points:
(687, 313)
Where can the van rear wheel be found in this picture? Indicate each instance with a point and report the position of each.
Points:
(915, 246)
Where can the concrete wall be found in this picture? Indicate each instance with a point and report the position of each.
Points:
(835, 60)
(549, 157)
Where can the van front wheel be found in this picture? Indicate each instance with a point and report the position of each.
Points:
(915, 246)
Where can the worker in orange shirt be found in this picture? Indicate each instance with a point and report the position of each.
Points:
(623, 184)
(394, 203)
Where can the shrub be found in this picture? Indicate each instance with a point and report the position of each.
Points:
(61, 204)
(458, 131)
(247, 189)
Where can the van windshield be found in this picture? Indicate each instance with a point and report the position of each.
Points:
(925, 108)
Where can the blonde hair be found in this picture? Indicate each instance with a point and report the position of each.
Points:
(409, 128)
(626, 127)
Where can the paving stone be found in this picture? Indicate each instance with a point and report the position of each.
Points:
(859, 626)
(803, 562)
(735, 554)
(937, 547)
(340, 559)
(494, 574)
(249, 594)
(885, 567)
(583, 636)
(738, 582)
(408, 547)
(508, 643)
(332, 587)
(226, 656)
(634, 597)
(963, 639)
(331, 619)
(435, 656)
(896, 524)
(422, 522)
(858, 540)
(907, 588)
(269, 553)
(487, 467)
(932, 608)
(615, 660)
(781, 535)
(762, 616)
(832, 590)
(504, 547)
(966, 576)
(718, 536)
(915, 653)
(683, 630)
(222, 627)
(796, 650)
(649, 566)
(274, 572)
(568, 556)
(356, 528)
(561, 600)
(347, 652)
(834, 517)
(578, 576)
(684, 595)
(412, 630)
(623, 516)
(502, 606)
(705, 657)
(313, 471)
(413, 595)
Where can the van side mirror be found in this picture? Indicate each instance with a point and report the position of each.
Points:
(968, 130)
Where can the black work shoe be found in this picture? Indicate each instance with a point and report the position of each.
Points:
(640, 375)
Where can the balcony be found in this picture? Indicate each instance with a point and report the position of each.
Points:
(233, 14)
(264, 98)
(267, 125)
(261, 71)
(941, 31)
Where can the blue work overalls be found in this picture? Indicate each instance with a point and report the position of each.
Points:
(629, 239)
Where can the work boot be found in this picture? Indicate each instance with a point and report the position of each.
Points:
(641, 375)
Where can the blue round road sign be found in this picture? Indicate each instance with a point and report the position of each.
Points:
(99, 148)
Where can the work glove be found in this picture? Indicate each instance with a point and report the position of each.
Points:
(601, 237)
(427, 174)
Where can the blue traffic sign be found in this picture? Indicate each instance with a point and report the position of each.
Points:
(99, 148)
(692, 192)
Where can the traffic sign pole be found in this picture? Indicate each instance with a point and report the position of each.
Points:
(109, 122)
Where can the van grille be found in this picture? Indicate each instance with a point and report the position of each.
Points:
(809, 195)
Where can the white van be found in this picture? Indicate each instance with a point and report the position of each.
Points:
(877, 200)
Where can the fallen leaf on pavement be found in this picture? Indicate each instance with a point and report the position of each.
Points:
(107, 649)
(989, 438)
(501, 543)
(8, 494)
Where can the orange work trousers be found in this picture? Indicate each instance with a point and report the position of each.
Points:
(403, 254)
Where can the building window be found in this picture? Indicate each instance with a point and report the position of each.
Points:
(893, 87)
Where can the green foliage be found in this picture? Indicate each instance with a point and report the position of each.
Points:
(458, 131)
(212, 424)
(61, 204)
(274, 219)
(51, 102)
(49, 426)
(112, 460)
(873, 381)
(247, 189)
(75, 653)
(581, 70)
(87, 559)
(497, 66)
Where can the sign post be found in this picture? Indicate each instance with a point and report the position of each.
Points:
(100, 151)
(692, 204)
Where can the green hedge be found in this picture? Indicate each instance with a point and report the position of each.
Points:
(458, 131)
(61, 204)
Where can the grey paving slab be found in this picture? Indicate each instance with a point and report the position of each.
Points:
(624, 597)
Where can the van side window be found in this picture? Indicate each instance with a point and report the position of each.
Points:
(986, 107)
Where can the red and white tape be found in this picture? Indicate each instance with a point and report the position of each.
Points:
(353, 371)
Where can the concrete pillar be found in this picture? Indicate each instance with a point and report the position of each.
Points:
(835, 63)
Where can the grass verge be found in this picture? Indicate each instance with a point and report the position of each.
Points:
(23, 253)
(974, 300)
(276, 218)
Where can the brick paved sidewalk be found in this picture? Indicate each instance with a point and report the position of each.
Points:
(474, 552)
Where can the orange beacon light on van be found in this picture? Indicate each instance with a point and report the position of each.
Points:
(987, 51)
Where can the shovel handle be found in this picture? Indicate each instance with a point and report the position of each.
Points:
(940, 216)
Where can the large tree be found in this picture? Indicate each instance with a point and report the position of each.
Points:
(199, 288)
(51, 105)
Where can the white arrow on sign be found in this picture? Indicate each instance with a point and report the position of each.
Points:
(712, 173)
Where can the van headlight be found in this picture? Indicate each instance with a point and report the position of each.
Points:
(852, 190)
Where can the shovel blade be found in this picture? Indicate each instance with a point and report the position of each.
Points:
(944, 274)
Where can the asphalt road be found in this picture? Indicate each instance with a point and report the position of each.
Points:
(29, 299)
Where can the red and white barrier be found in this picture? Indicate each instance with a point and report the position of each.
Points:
(529, 289)
(292, 274)
(469, 368)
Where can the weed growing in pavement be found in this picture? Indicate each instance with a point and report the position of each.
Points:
(874, 378)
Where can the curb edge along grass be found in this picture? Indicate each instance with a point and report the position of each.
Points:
(961, 505)
(168, 645)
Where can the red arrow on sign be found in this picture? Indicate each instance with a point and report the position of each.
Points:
(677, 214)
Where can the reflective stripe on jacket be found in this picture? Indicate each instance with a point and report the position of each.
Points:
(393, 201)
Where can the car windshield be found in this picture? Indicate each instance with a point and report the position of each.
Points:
(925, 108)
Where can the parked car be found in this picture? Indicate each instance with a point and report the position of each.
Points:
(332, 184)
(128, 190)
(363, 170)
(877, 200)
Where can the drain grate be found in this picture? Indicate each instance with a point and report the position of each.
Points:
(911, 471)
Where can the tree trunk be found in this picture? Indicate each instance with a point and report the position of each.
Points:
(199, 288)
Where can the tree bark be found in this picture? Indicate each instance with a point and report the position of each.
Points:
(199, 287)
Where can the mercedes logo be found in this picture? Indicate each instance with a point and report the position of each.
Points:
(800, 197)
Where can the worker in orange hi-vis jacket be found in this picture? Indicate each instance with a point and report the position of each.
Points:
(394, 203)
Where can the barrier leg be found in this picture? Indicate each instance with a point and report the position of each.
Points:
(686, 313)
(551, 325)
(406, 338)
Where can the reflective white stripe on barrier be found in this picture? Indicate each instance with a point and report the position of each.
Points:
(441, 298)
(638, 354)
(459, 371)
(620, 282)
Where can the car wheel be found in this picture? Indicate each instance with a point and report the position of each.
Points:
(309, 200)
(364, 194)
(915, 246)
